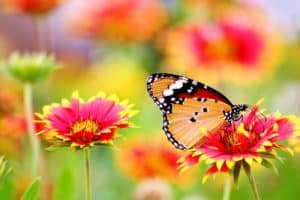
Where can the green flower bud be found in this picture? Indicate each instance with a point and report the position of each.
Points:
(30, 68)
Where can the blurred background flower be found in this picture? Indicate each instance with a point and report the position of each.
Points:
(155, 159)
(123, 21)
(222, 49)
(12, 135)
(153, 189)
(10, 96)
(34, 7)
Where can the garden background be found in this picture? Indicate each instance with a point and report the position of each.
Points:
(247, 49)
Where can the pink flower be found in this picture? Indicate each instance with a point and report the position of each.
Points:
(254, 138)
(83, 124)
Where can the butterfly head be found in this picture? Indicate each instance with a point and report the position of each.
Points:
(236, 113)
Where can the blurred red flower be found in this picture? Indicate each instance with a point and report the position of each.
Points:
(229, 48)
(12, 127)
(34, 7)
(142, 159)
(117, 20)
(10, 97)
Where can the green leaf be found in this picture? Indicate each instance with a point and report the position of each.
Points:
(5, 170)
(51, 148)
(247, 168)
(64, 187)
(236, 172)
(7, 189)
(268, 155)
(32, 190)
(270, 165)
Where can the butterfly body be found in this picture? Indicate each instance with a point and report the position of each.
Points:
(188, 107)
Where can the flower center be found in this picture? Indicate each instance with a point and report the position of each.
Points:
(230, 139)
(235, 141)
(88, 126)
(221, 49)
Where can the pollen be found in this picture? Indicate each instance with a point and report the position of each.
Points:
(89, 126)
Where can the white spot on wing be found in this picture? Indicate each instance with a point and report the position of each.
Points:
(161, 100)
(177, 85)
(168, 92)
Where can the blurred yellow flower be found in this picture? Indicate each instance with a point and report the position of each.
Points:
(117, 20)
(233, 46)
(119, 75)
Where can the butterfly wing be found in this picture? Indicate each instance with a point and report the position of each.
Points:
(187, 121)
(188, 107)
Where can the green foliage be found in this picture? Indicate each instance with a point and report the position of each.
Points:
(4, 169)
(32, 190)
(64, 186)
(7, 189)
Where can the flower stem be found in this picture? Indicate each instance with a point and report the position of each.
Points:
(227, 188)
(30, 128)
(87, 174)
(253, 185)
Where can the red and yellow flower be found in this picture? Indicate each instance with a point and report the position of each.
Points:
(35, 7)
(253, 139)
(144, 160)
(83, 124)
(223, 49)
(117, 20)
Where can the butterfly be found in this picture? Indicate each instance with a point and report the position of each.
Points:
(188, 107)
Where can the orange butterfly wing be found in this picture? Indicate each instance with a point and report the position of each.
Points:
(187, 120)
(187, 106)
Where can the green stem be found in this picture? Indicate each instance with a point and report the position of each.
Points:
(87, 174)
(253, 185)
(35, 145)
(227, 188)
